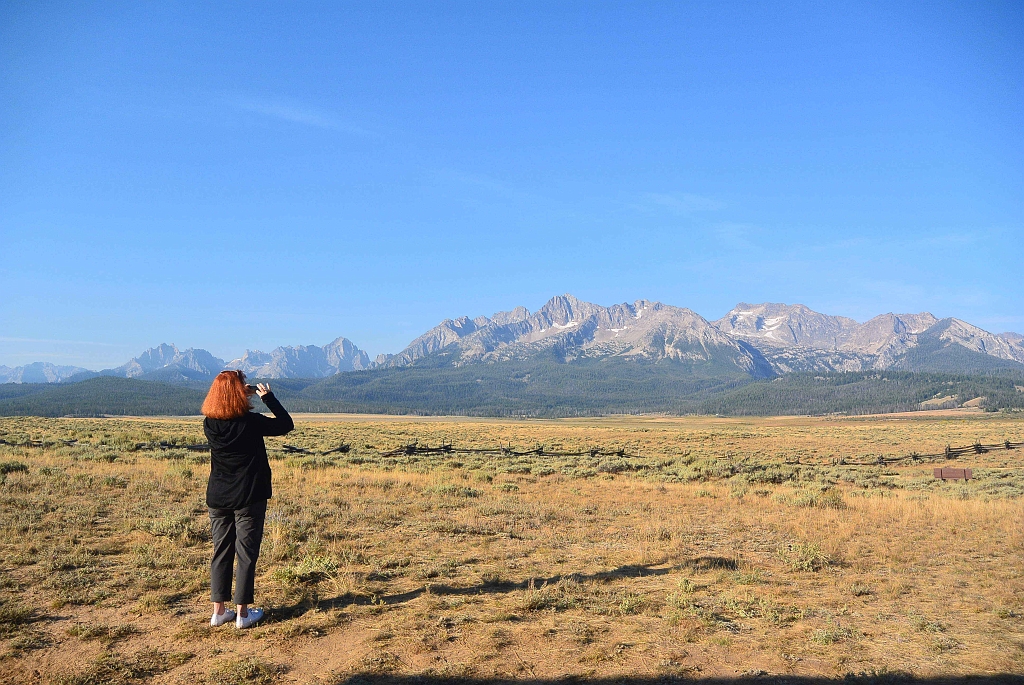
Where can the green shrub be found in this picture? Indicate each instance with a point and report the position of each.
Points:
(805, 556)
(831, 634)
(633, 603)
(12, 467)
(453, 490)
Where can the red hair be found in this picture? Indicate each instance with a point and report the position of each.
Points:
(228, 397)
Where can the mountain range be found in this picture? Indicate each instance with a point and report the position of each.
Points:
(759, 340)
(39, 372)
(753, 341)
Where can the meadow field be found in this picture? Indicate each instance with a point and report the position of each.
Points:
(687, 548)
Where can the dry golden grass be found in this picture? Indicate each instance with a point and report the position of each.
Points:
(703, 554)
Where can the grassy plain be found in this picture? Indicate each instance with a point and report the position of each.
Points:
(714, 547)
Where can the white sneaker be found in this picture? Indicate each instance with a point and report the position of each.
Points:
(250, 620)
(221, 619)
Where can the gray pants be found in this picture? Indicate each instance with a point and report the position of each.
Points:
(236, 532)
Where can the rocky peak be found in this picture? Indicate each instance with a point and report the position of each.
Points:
(252, 359)
(976, 339)
(888, 334)
(564, 310)
(303, 361)
(342, 354)
(166, 356)
(515, 316)
(778, 324)
(437, 338)
(917, 323)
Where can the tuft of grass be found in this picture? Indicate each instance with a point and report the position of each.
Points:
(927, 626)
(381, 661)
(181, 527)
(453, 490)
(828, 498)
(13, 616)
(445, 569)
(831, 634)
(879, 676)
(633, 603)
(945, 643)
(314, 463)
(246, 671)
(118, 669)
(566, 594)
(102, 633)
(831, 499)
(312, 569)
(805, 556)
(581, 632)
(686, 586)
(29, 640)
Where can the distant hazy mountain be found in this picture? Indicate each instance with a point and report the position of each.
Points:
(167, 363)
(570, 329)
(303, 361)
(38, 372)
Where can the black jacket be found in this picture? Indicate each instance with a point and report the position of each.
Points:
(239, 469)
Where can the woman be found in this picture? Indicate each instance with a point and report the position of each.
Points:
(239, 488)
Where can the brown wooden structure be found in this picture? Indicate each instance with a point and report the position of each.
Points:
(952, 474)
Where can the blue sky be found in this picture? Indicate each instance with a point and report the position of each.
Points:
(246, 175)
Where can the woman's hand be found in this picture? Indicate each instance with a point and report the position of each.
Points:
(262, 389)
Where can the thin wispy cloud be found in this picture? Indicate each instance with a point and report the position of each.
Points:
(298, 114)
(680, 203)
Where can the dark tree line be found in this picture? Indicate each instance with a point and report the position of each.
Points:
(544, 388)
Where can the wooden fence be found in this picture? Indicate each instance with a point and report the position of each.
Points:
(948, 453)
(415, 449)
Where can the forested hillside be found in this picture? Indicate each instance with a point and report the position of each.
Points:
(864, 393)
(543, 388)
(536, 387)
(98, 396)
